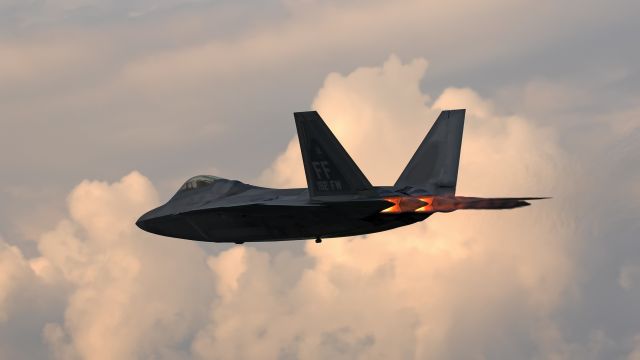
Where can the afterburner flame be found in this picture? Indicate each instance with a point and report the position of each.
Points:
(428, 207)
(395, 208)
(403, 204)
(448, 203)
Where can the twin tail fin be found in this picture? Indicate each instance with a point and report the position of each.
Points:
(329, 169)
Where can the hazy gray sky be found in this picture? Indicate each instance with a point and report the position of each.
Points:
(107, 107)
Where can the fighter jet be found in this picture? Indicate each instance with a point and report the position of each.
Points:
(338, 201)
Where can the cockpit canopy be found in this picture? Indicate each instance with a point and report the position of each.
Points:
(199, 181)
(216, 186)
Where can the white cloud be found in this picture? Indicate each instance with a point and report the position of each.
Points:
(14, 272)
(419, 291)
(374, 128)
(129, 295)
(493, 281)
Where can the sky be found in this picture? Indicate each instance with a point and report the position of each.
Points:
(109, 106)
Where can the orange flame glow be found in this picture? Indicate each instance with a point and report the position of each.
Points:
(403, 204)
(428, 207)
(447, 203)
(395, 208)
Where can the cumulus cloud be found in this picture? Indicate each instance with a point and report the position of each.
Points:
(421, 291)
(176, 81)
(14, 272)
(128, 295)
(493, 281)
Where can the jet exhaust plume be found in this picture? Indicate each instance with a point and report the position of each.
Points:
(432, 204)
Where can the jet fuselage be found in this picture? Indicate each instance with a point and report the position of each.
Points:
(338, 201)
(262, 214)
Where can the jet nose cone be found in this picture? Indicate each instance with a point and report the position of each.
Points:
(140, 223)
(145, 219)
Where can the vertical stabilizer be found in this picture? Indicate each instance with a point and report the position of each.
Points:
(327, 165)
(434, 166)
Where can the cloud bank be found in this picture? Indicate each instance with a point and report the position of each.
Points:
(461, 285)
(125, 295)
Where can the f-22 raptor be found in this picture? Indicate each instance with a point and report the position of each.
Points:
(338, 201)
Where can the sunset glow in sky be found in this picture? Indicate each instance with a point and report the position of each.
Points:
(107, 107)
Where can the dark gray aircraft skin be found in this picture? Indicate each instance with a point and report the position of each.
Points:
(339, 200)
